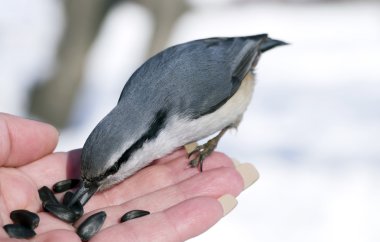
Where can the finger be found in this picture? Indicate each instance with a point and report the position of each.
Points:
(29, 178)
(213, 183)
(60, 166)
(20, 186)
(23, 141)
(178, 223)
(154, 178)
(49, 223)
(174, 155)
(3, 235)
(58, 235)
(17, 191)
(55, 167)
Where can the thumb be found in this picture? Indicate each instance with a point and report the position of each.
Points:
(23, 141)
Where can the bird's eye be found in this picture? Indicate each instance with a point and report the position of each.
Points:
(113, 169)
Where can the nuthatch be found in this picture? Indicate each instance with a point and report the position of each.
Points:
(181, 95)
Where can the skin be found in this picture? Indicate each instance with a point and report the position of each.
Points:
(183, 202)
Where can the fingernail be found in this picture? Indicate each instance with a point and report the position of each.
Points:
(228, 203)
(236, 162)
(190, 147)
(249, 174)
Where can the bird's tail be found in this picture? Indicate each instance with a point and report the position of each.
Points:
(266, 43)
(269, 43)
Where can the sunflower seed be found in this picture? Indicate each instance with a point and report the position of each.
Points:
(46, 195)
(133, 214)
(25, 218)
(19, 231)
(67, 197)
(60, 211)
(65, 185)
(77, 208)
(91, 225)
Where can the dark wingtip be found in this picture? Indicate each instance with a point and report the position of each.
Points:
(265, 42)
(271, 43)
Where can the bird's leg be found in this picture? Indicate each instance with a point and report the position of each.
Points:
(202, 151)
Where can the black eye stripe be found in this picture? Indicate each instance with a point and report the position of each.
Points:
(158, 124)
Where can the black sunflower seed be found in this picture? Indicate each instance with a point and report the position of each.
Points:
(60, 211)
(91, 225)
(19, 231)
(77, 208)
(25, 218)
(46, 195)
(65, 185)
(67, 198)
(133, 214)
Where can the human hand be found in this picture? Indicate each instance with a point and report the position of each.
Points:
(183, 202)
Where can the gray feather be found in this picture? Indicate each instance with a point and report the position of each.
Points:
(194, 78)
(188, 80)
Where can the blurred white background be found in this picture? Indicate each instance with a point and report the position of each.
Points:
(312, 129)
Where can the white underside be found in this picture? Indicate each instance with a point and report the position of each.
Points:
(181, 131)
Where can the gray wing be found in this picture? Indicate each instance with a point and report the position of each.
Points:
(194, 78)
(188, 80)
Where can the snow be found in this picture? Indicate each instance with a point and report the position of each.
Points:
(312, 129)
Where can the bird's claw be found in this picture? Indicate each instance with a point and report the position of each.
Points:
(200, 153)
(197, 149)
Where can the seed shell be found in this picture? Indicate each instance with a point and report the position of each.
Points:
(25, 218)
(60, 211)
(46, 195)
(65, 185)
(18, 231)
(133, 214)
(77, 208)
(67, 197)
(91, 225)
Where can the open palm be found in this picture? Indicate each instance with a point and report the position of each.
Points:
(183, 202)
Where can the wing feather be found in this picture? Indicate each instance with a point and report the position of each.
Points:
(194, 78)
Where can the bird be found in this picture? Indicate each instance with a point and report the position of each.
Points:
(183, 94)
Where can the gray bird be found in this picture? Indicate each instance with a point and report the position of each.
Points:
(181, 95)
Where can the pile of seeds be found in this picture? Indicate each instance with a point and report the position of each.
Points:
(61, 211)
(24, 222)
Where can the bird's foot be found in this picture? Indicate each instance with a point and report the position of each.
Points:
(201, 152)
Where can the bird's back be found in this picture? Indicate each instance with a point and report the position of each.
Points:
(194, 78)
(185, 81)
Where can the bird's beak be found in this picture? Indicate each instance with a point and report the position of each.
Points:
(84, 193)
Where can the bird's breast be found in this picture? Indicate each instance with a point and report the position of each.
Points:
(182, 130)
